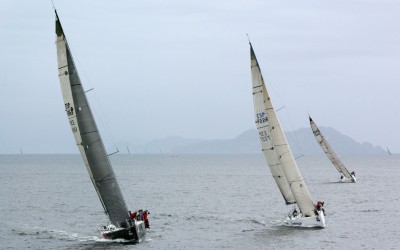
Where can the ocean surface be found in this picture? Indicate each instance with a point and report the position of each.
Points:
(197, 202)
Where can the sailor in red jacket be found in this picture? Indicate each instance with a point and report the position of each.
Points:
(132, 216)
(320, 205)
(146, 221)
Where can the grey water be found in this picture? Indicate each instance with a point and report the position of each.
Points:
(197, 202)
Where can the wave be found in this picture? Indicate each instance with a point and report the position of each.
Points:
(259, 222)
(370, 210)
(44, 233)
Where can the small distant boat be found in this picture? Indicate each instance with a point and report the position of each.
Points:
(346, 176)
(387, 149)
(279, 157)
(92, 149)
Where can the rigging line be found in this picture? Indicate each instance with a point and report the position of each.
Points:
(114, 153)
(101, 117)
(271, 86)
(98, 109)
(280, 108)
(248, 37)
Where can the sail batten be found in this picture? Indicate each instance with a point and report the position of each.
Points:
(275, 147)
(86, 134)
(328, 150)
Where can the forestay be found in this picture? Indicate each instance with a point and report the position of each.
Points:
(328, 150)
(274, 145)
(86, 134)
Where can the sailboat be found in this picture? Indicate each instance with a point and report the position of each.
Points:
(346, 176)
(390, 153)
(92, 149)
(280, 158)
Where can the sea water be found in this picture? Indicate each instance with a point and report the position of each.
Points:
(197, 202)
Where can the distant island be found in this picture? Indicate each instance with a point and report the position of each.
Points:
(301, 141)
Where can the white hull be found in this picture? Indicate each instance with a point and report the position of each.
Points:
(307, 222)
(347, 180)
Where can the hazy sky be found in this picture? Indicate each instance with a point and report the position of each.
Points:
(162, 68)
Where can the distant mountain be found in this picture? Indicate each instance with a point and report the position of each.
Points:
(168, 144)
(341, 144)
(245, 143)
(301, 141)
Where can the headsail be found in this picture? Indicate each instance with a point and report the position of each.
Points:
(328, 150)
(274, 145)
(87, 135)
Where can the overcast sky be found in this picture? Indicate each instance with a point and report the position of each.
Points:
(161, 68)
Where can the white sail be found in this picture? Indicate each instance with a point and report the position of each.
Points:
(274, 145)
(328, 150)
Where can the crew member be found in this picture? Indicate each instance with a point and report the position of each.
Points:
(146, 221)
(132, 216)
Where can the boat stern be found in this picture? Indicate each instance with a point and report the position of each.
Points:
(135, 231)
(317, 221)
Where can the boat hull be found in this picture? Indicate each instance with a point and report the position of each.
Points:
(306, 222)
(136, 232)
(348, 180)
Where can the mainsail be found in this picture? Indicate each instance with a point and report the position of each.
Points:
(87, 135)
(328, 150)
(274, 145)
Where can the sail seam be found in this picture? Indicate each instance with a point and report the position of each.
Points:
(84, 133)
(267, 149)
(102, 180)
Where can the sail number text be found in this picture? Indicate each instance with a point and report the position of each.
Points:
(261, 118)
(70, 112)
(69, 109)
(264, 136)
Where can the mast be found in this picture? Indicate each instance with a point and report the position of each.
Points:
(86, 134)
(275, 147)
(329, 150)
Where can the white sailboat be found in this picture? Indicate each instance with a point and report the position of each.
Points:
(390, 153)
(279, 157)
(92, 149)
(346, 176)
